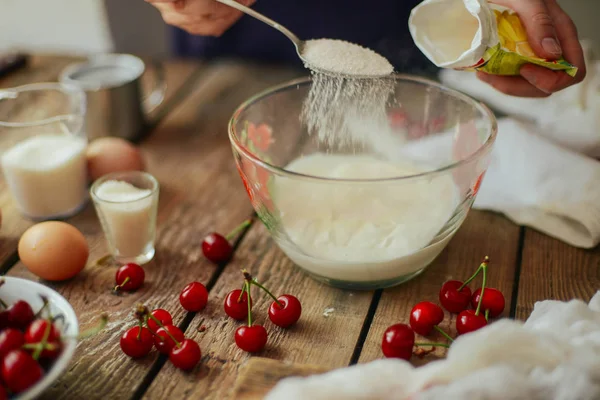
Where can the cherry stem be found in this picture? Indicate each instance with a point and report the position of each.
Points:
(95, 329)
(36, 346)
(166, 330)
(140, 326)
(116, 289)
(43, 343)
(238, 229)
(242, 293)
(433, 345)
(102, 261)
(484, 267)
(444, 334)
(485, 262)
(487, 314)
(3, 304)
(255, 282)
(247, 286)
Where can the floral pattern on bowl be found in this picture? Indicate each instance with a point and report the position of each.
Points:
(256, 179)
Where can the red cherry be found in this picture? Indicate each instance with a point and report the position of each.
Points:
(251, 338)
(4, 319)
(493, 300)
(163, 316)
(10, 339)
(20, 315)
(216, 248)
(467, 322)
(129, 277)
(162, 340)
(424, 316)
(235, 307)
(35, 334)
(398, 341)
(194, 297)
(20, 371)
(137, 344)
(3, 395)
(453, 300)
(287, 314)
(186, 356)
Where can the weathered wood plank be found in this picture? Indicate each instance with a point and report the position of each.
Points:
(259, 375)
(99, 369)
(481, 234)
(551, 269)
(189, 153)
(326, 341)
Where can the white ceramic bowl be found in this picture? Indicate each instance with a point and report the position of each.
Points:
(15, 289)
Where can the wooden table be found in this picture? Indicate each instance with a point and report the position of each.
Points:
(188, 151)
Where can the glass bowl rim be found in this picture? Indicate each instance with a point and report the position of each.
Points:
(478, 105)
(63, 87)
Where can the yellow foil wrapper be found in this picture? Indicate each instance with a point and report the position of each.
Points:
(474, 35)
(514, 51)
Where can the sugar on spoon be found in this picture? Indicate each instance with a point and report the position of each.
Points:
(324, 55)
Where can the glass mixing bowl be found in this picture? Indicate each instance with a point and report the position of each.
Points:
(375, 212)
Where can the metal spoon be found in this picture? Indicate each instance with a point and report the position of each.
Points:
(299, 44)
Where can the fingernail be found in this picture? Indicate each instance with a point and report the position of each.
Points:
(551, 46)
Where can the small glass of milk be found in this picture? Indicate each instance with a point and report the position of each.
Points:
(127, 205)
(42, 147)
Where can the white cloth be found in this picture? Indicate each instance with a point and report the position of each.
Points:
(540, 175)
(537, 183)
(570, 117)
(531, 180)
(554, 355)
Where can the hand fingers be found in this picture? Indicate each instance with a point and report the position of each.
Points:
(544, 79)
(214, 28)
(538, 23)
(569, 39)
(512, 85)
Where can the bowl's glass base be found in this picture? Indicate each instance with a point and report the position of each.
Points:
(368, 285)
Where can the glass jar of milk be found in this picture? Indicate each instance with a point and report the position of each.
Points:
(42, 149)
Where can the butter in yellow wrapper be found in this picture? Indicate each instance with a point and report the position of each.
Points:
(475, 35)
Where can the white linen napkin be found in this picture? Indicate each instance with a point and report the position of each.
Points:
(537, 183)
(570, 117)
(555, 355)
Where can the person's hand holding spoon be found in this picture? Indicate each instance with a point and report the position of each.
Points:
(199, 17)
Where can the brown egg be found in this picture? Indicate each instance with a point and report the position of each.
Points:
(110, 154)
(53, 250)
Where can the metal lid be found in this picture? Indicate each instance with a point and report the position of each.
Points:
(104, 71)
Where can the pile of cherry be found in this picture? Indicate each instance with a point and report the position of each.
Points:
(155, 328)
(29, 344)
(456, 297)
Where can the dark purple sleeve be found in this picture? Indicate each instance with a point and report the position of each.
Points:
(381, 25)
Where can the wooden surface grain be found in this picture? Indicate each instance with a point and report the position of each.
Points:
(326, 335)
(259, 375)
(188, 151)
(482, 234)
(99, 359)
(551, 269)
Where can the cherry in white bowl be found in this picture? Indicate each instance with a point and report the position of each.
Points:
(15, 289)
